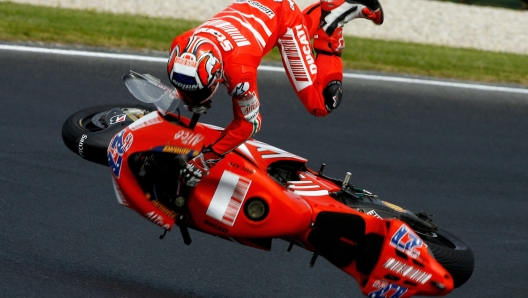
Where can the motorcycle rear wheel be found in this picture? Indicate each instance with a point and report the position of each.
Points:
(453, 254)
(90, 140)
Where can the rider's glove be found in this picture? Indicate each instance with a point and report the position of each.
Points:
(199, 166)
(336, 13)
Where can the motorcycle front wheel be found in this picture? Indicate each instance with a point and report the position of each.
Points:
(453, 254)
(89, 131)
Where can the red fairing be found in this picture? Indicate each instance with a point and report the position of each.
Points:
(245, 32)
(147, 133)
(218, 198)
(302, 210)
(406, 260)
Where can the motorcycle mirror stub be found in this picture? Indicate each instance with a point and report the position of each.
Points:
(346, 180)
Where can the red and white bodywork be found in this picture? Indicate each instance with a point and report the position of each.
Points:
(303, 211)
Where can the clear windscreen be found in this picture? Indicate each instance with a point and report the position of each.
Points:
(149, 89)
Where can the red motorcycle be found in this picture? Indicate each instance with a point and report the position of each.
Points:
(258, 193)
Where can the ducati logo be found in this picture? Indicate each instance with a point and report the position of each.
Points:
(306, 49)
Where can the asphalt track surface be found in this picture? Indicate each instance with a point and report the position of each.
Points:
(460, 154)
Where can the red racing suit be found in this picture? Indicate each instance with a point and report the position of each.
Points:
(245, 32)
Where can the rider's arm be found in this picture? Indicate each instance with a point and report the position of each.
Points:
(246, 117)
(242, 85)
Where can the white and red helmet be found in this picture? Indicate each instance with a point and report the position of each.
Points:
(195, 69)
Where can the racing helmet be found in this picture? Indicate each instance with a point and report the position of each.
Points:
(195, 69)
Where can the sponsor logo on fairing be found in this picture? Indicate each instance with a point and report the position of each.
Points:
(216, 227)
(117, 119)
(81, 145)
(176, 150)
(188, 138)
(118, 146)
(374, 213)
(386, 290)
(242, 168)
(406, 241)
(407, 271)
(164, 209)
(393, 207)
(157, 219)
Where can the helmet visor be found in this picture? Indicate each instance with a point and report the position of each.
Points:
(196, 97)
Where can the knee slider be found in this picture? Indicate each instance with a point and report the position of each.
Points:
(333, 93)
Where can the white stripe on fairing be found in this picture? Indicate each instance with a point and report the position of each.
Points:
(303, 186)
(242, 148)
(311, 193)
(212, 126)
(267, 68)
(300, 182)
(222, 195)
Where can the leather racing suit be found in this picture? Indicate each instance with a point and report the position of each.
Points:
(245, 32)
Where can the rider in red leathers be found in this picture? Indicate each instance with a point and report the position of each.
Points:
(229, 47)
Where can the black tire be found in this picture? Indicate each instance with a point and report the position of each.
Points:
(88, 140)
(453, 254)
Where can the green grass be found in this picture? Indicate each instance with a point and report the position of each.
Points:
(34, 23)
(37, 23)
(435, 61)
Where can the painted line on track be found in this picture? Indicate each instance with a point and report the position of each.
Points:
(266, 68)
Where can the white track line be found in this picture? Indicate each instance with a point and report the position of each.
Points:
(266, 68)
(81, 53)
